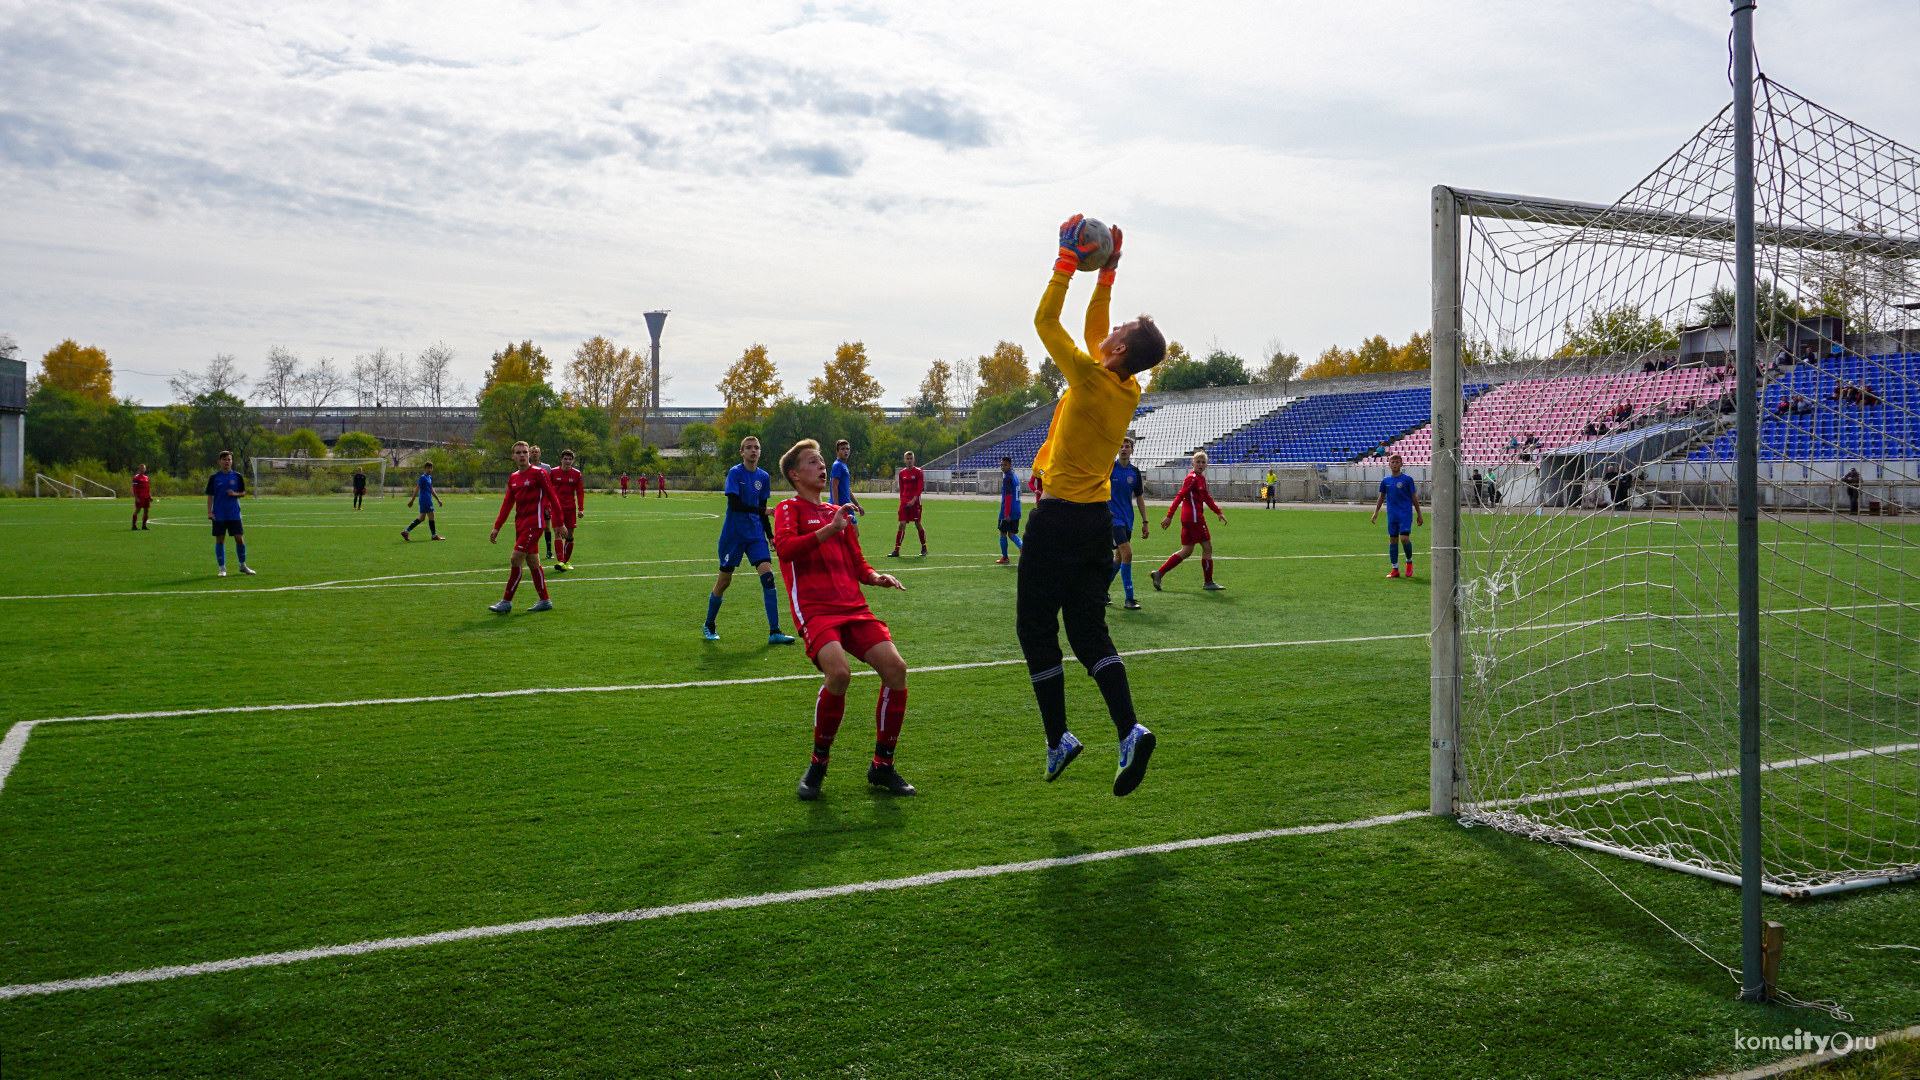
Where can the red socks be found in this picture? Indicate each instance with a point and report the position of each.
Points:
(899, 535)
(1206, 567)
(539, 578)
(887, 716)
(513, 582)
(828, 709)
(1173, 560)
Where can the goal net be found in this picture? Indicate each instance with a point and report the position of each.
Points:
(314, 476)
(1593, 625)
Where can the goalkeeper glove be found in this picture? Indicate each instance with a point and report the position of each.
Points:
(1073, 245)
(1113, 260)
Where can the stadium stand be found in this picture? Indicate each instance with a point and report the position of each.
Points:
(1173, 431)
(1330, 427)
(1556, 412)
(1833, 428)
(1021, 447)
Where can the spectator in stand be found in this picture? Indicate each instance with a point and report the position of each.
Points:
(1590, 430)
(1477, 489)
(1852, 480)
(1806, 353)
(1782, 359)
(1781, 408)
(1532, 440)
(1622, 489)
(1513, 444)
(1869, 397)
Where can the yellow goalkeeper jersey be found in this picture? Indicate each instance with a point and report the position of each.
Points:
(1093, 415)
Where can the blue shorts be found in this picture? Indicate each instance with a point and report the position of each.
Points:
(1399, 526)
(731, 550)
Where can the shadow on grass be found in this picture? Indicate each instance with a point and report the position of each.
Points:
(1123, 958)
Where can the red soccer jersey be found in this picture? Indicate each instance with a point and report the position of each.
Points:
(1193, 494)
(1036, 484)
(530, 496)
(912, 483)
(823, 577)
(142, 487)
(571, 486)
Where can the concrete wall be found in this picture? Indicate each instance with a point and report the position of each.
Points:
(13, 448)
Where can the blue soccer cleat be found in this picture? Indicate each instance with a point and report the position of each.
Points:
(1059, 757)
(709, 633)
(778, 638)
(1135, 749)
(501, 608)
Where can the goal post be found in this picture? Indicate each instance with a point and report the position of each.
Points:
(335, 468)
(1617, 661)
(83, 484)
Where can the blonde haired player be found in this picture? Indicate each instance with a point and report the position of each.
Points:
(823, 569)
(1067, 559)
(1193, 525)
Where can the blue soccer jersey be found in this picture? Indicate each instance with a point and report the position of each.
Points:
(1009, 495)
(226, 488)
(1125, 486)
(425, 487)
(842, 483)
(1400, 492)
(753, 486)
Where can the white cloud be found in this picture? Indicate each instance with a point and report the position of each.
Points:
(184, 180)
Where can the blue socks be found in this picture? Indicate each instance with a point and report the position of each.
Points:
(240, 548)
(1016, 540)
(1393, 550)
(220, 553)
(1003, 545)
(713, 609)
(1126, 577)
(773, 609)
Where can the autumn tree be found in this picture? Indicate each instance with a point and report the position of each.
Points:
(1172, 370)
(1621, 330)
(935, 398)
(1004, 370)
(613, 380)
(1282, 365)
(86, 372)
(751, 387)
(845, 383)
(523, 363)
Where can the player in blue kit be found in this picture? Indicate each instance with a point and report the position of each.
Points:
(1009, 509)
(744, 535)
(423, 490)
(1402, 499)
(840, 485)
(224, 490)
(1127, 490)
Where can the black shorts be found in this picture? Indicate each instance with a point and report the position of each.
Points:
(1122, 534)
(223, 528)
(1010, 526)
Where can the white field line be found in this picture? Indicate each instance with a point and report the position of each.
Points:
(1687, 778)
(16, 738)
(389, 582)
(700, 907)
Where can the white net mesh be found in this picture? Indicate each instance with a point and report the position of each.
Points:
(1597, 567)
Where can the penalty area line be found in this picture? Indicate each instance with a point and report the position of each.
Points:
(700, 907)
(15, 741)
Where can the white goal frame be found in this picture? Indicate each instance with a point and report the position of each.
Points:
(79, 480)
(282, 463)
(61, 489)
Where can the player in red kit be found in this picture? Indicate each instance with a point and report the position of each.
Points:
(912, 484)
(570, 485)
(142, 498)
(663, 485)
(531, 497)
(623, 485)
(821, 564)
(1193, 525)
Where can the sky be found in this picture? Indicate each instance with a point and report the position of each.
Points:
(180, 180)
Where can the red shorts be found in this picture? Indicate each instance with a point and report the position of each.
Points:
(142, 503)
(568, 519)
(857, 634)
(526, 535)
(910, 513)
(1194, 532)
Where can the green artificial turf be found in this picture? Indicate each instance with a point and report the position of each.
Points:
(1412, 949)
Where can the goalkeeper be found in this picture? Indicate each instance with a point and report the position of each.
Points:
(1067, 559)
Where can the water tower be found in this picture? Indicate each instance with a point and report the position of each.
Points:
(655, 320)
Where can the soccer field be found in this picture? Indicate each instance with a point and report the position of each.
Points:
(657, 771)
